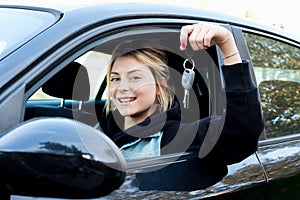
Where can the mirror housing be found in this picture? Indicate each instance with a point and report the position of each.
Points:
(61, 158)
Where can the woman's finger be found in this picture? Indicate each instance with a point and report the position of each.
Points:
(194, 38)
(184, 34)
(208, 39)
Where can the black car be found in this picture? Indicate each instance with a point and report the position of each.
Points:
(53, 58)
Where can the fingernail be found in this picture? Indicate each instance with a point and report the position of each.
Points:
(183, 45)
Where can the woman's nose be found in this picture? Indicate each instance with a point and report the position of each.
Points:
(124, 85)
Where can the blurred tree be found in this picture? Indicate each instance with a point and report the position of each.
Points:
(279, 83)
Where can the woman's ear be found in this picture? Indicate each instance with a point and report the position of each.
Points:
(163, 84)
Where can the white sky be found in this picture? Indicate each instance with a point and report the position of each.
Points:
(285, 13)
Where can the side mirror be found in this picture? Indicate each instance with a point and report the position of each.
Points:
(61, 158)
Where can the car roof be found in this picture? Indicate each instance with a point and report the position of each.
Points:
(134, 7)
(58, 5)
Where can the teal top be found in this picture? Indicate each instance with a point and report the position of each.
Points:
(143, 147)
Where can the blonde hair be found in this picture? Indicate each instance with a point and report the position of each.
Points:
(156, 60)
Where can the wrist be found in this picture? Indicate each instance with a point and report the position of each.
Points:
(230, 52)
(232, 59)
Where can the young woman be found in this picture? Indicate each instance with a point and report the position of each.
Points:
(143, 118)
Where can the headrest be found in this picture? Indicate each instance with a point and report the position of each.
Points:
(72, 82)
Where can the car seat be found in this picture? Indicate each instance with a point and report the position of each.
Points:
(71, 83)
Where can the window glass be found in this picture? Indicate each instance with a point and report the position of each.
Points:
(277, 70)
(21, 25)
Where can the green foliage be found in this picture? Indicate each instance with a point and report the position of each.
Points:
(279, 83)
(280, 103)
(266, 52)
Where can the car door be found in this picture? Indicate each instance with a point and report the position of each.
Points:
(92, 50)
(276, 67)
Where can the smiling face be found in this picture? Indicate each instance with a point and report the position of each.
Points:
(132, 89)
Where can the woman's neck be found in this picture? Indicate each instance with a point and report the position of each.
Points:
(138, 118)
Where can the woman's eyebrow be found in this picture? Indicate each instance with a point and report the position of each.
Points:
(129, 72)
(115, 73)
(133, 71)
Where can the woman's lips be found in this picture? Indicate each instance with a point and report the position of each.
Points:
(126, 100)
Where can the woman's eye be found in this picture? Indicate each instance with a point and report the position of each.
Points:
(114, 79)
(135, 77)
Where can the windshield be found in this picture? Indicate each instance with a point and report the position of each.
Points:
(20, 25)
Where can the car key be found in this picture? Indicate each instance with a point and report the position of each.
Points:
(187, 81)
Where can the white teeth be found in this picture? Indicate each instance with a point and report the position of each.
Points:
(126, 100)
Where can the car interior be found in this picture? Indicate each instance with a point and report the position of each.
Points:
(72, 87)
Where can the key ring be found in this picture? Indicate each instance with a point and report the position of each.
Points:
(193, 63)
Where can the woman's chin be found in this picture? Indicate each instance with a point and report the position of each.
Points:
(126, 113)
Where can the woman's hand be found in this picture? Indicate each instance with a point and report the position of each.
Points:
(201, 36)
